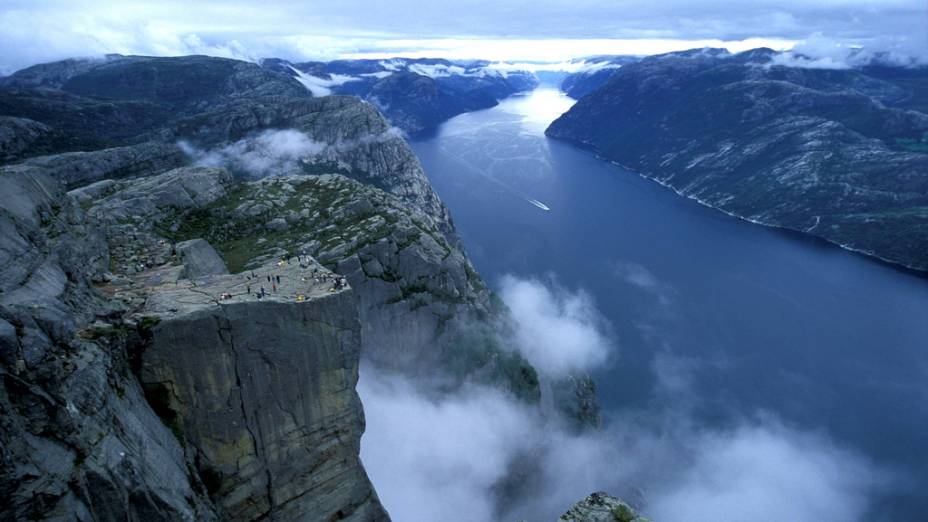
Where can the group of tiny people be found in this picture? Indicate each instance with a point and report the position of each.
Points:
(337, 282)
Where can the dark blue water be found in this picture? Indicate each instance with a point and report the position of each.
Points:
(825, 339)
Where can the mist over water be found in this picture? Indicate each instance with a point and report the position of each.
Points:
(745, 373)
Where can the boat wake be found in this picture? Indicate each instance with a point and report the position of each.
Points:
(540, 205)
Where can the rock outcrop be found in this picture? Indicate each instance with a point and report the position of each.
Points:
(77, 437)
(18, 135)
(837, 154)
(200, 259)
(423, 308)
(601, 507)
(76, 169)
(82, 438)
(266, 401)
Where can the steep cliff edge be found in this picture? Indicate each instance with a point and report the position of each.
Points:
(80, 330)
(266, 399)
(424, 310)
(835, 154)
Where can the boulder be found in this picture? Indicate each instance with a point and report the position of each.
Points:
(200, 259)
(601, 507)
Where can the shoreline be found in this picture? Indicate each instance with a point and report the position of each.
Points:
(921, 273)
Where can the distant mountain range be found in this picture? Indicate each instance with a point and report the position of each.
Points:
(594, 72)
(82, 104)
(841, 154)
(416, 95)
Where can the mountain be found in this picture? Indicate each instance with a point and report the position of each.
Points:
(839, 154)
(592, 73)
(141, 376)
(415, 95)
(91, 104)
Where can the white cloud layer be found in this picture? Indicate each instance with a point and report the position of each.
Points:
(477, 454)
(33, 31)
(321, 86)
(821, 52)
(447, 458)
(556, 330)
(272, 152)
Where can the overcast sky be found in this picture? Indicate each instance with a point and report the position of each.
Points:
(42, 30)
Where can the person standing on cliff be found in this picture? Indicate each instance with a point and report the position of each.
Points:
(248, 287)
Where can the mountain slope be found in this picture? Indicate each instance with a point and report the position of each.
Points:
(593, 73)
(822, 152)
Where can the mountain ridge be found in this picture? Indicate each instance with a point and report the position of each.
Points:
(829, 153)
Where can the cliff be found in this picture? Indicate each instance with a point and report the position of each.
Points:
(423, 308)
(139, 393)
(835, 154)
(77, 437)
(139, 381)
(266, 401)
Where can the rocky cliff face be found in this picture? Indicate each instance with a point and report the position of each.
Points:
(78, 440)
(139, 381)
(837, 154)
(266, 401)
(246, 410)
(423, 307)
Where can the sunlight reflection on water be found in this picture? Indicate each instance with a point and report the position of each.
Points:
(538, 108)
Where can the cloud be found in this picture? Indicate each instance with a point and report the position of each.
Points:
(556, 330)
(641, 277)
(571, 66)
(480, 455)
(763, 471)
(44, 30)
(272, 152)
(321, 86)
(284, 152)
(821, 52)
(456, 457)
(439, 459)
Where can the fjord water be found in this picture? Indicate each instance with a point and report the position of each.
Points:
(738, 319)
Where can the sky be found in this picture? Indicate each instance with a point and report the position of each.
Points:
(34, 31)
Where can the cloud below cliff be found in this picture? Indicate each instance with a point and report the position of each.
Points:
(447, 457)
(478, 454)
(556, 330)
